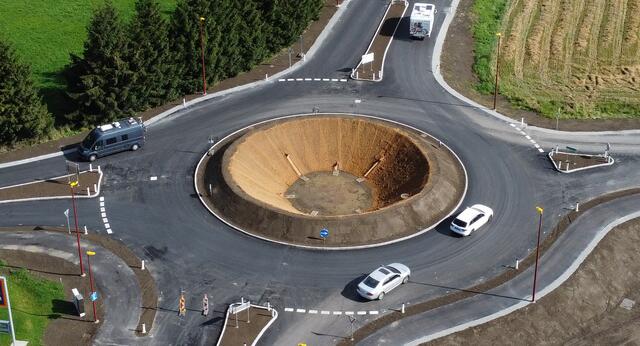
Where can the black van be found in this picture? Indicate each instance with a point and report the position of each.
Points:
(121, 135)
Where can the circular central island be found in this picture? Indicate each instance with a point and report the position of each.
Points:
(366, 181)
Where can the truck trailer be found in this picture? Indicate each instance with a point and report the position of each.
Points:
(421, 20)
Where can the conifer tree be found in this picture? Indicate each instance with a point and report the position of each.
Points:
(251, 35)
(101, 79)
(227, 17)
(150, 57)
(22, 114)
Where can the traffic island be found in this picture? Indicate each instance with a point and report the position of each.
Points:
(569, 162)
(331, 181)
(245, 323)
(88, 186)
(371, 66)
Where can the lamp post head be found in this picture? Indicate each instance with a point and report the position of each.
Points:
(540, 210)
(90, 253)
(202, 19)
(499, 34)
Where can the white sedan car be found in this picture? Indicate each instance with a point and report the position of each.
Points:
(382, 280)
(471, 219)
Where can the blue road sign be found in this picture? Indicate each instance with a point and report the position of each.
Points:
(93, 296)
(324, 233)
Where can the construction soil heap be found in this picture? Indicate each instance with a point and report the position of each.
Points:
(366, 181)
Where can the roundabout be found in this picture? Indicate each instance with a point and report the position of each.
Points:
(368, 181)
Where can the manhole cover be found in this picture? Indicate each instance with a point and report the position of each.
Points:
(627, 304)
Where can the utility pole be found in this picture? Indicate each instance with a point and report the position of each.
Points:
(204, 78)
(94, 295)
(535, 272)
(495, 90)
(75, 217)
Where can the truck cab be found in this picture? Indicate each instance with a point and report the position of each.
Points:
(121, 135)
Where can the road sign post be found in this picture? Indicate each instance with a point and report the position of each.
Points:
(66, 214)
(5, 301)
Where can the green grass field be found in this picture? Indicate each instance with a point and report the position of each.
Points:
(44, 32)
(32, 304)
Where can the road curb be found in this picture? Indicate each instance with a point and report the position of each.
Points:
(93, 195)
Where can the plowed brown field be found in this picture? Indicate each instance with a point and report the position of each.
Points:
(574, 58)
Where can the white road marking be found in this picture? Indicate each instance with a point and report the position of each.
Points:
(105, 220)
(373, 312)
(290, 79)
(337, 312)
(317, 79)
(102, 204)
(325, 79)
(288, 309)
(527, 137)
(348, 312)
(299, 79)
(106, 225)
(325, 312)
(308, 79)
(334, 79)
(343, 80)
(313, 311)
(540, 150)
(362, 312)
(522, 132)
(537, 146)
(301, 310)
(101, 198)
(103, 214)
(512, 125)
(109, 231)
(532, 141)
(281, 80)
(102, 209)
(153, 178)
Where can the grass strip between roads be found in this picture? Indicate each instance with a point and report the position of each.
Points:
(461, 294)
(31, 305)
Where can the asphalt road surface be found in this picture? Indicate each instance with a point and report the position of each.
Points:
(164, 222)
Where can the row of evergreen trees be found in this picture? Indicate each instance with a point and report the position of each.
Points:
(128, 67)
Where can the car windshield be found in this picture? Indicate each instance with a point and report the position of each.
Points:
(459, 223)
(89, 140)
(384, 271)
(393, 269)
(371, 282)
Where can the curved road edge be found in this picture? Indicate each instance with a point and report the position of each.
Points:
(435, 67)
(556, 266)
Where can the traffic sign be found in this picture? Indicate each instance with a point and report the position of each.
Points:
(367, 58)
(5, 327)
(3, 294)
(324, 233)
(94, 296)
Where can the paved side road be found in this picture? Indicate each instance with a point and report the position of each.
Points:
(557, 264)
(116, 282)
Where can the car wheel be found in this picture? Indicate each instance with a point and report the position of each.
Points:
(381, 296)
(92, 158)
(135, 147)
(406, 279)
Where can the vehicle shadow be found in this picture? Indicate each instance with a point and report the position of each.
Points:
(349, 291)
(466, 290)
(443, 227)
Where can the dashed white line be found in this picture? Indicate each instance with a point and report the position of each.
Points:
(537, 146)
(348, 312)
(313, 311)
(532, 141)
(281, 80)
(527, 137)
(102, 204)
(109, 231)
(102, 209)
(343, 80)
(301, 310)
(105, 220)
(299, 79)
(153, 178)
(334, 79)
(308, 79)
(325, 312)
(540, 150)
(317, 79)
(361, 312)
(106, 225)
(290, 79)
(103, 214)
(512, 124)
(337, 312)
(373, 312)
(288, 309)
(325, 79)
(101, 198)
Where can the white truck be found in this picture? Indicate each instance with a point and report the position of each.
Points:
(421, 20)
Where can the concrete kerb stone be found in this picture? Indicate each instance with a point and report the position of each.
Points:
(309, 247)
(93, 195)
(541, 293)
(610, 161)
(266, 327)
(272, 79)
(435, 67)
(353, 76)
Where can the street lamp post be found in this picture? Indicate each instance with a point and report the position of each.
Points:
(93, 301)
(204, 78)
(75, 217)
(495, 90)
(535, 272)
